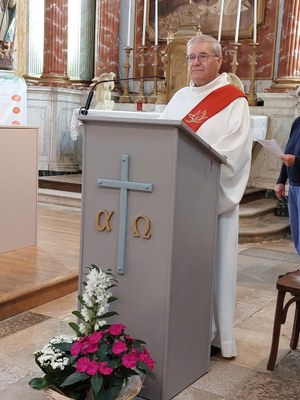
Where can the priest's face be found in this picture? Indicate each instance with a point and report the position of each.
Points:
(203, 63)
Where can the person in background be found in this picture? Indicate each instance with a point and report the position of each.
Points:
(218, 112)
(8, 10)
(290, 171)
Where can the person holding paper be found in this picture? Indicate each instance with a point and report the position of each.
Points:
(290, 171)
(218, 112)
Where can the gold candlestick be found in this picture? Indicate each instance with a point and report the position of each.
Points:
(252, 98)
(234, 62)
(153, 97)
(141, 95)
(125, 98)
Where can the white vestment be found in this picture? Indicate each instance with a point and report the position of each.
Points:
(228, 132)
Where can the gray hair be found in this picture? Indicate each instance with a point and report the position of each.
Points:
(206, 38)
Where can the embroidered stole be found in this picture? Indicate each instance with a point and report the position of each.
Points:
(211, 105)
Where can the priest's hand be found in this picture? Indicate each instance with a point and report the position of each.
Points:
(280, 190)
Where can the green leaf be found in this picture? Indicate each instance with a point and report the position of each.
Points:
(111, 299)
(78, 314)
(74, 378)
(75, 328)
(80, 299)
(96, 267)
(37, 383)
(145, 369)
(66, 347)
(109, 314)
(97, 382)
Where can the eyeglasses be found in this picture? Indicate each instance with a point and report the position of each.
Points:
(203, 57)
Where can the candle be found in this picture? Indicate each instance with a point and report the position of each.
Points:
(255, 22)
(156, 23)
(238, 16)
(144, 23)
(129, 24)
(221, 20)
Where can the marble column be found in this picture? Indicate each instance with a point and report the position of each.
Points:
(107, 37)
(288, 71)
(87, 40)
(55, 44)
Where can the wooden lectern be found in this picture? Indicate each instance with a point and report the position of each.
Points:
(149, 212)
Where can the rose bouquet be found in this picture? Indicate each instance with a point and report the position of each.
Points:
(101, 358)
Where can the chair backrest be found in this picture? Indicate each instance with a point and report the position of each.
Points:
(289, 282)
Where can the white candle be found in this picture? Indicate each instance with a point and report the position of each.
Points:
(221, 21)
(255, 22)
(129, 24)
(144, 23)
(156, 24)
(238, 16)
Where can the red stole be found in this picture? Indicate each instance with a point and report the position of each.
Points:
(211, 105)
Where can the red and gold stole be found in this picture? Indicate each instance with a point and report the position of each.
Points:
(211, 105)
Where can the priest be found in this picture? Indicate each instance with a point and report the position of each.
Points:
(218, 112)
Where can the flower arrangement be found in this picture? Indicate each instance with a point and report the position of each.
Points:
(100, 359)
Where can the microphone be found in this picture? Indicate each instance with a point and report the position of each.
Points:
(84, 110)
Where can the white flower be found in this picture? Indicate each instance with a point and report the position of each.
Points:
(95, 298)
(53, 357)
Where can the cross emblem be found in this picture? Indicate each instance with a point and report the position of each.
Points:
(124, 185)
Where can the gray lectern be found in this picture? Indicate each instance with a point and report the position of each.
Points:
(149, 212)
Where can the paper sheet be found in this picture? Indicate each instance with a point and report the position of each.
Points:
(272, 146)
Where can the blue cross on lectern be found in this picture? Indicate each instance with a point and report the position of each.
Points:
(124, 185)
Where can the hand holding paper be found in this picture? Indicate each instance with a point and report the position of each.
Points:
(272, 146)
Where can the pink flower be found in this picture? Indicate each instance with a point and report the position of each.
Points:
(88, 347)
(145, 358)
(92, 368)
(92, 348)
(82, 364)
(104, 369)
(84, 345)
(116, 329)
(96, 336)
(119, 347)
(129, 360)
(76, 348)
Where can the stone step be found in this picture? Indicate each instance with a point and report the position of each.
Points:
(269, 227)
(256, 209)
(258, 222)
(59, 197)
(252, 194)
(66, 182)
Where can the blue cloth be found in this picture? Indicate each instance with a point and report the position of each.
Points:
(293, 147)
(292, 174)
(294, 207)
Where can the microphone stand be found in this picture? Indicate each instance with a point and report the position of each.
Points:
(84, 110)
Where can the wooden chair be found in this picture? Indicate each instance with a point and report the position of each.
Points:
(289, 283)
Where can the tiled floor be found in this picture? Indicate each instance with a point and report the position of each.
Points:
(243, 378)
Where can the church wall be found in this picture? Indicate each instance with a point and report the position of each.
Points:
(51, 109)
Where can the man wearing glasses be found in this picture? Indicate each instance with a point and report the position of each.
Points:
(218, 112)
